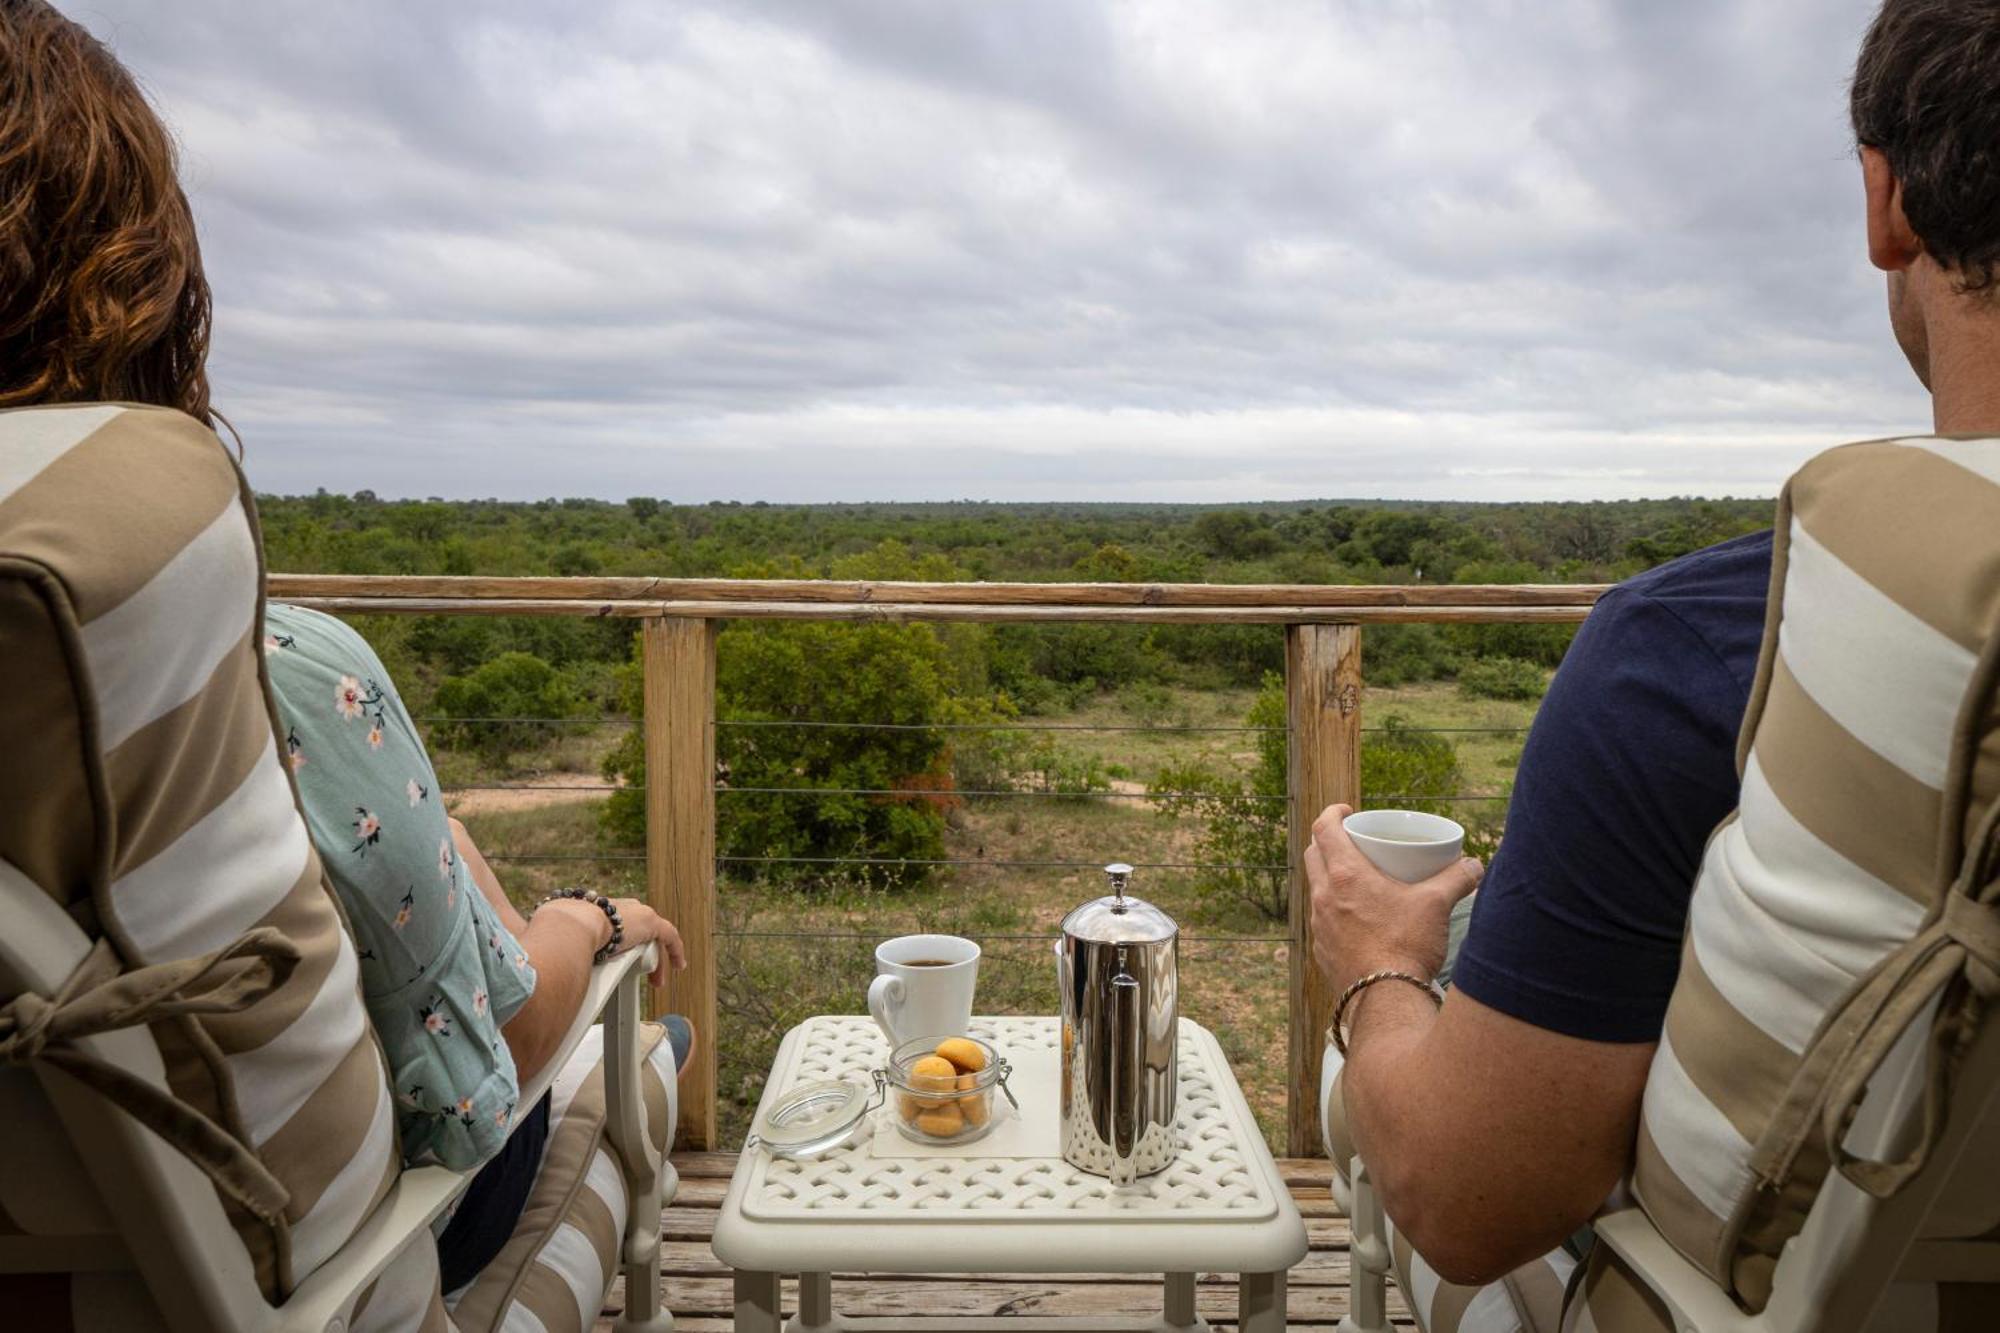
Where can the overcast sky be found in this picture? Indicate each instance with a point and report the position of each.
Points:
(868, 249)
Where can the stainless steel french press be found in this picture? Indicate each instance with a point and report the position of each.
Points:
(1117, 965)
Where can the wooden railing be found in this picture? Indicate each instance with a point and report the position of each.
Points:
(1323, 680)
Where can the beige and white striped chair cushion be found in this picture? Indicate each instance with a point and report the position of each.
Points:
(551, 1276)
(1870, 751)
(553, 1273)
(143, 788)
(403, 1299)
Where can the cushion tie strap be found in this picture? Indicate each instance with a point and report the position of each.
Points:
(1962, 941)
(98, 998)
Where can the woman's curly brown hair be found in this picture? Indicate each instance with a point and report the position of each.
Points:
(102, 296)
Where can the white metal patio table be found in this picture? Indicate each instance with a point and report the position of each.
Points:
(1221, 1207)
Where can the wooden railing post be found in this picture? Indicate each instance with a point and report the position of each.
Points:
(679, 664)
(1323, 712)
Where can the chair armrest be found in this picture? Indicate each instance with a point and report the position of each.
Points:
(625, 1126)
(1696, 1304)
(597, 994)
(421, 1193)
(403, 1218)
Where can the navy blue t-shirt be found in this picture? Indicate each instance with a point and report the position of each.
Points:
(1630, 765)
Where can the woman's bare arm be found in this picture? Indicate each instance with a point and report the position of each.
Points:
(561, 941)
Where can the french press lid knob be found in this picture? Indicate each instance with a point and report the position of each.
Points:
(1121, 875)
(1117, 918)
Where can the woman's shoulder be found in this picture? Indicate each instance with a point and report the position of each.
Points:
(298, 637)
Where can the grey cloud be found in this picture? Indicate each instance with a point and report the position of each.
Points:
(909, 250)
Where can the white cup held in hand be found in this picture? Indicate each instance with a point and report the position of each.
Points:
(1406, 844)
(923, 986)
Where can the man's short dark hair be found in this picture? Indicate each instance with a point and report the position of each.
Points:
(1927, 94)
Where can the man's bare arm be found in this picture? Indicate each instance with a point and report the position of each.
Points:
(1490, 1140)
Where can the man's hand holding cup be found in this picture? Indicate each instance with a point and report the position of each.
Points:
(1383, 884)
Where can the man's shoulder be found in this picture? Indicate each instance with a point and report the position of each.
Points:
(1728, 570)
(1715, 596)
(1629, 765)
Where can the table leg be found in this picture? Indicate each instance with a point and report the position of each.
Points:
(1260, 1302)
(1180, 1301)
(756, 1302)
(815, 1304)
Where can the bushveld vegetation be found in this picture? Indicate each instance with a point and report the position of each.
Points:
(970, 777)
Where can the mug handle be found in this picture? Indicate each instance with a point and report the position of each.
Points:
(883, 993)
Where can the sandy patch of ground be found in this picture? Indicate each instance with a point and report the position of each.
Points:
(1127, 787)
(527, 793)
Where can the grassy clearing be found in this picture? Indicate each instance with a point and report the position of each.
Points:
(1235, 976)
(568, 749)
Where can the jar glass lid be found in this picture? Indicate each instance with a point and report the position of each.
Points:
(811, 1118)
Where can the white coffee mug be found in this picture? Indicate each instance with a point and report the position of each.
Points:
(1406, 844)
(923, 986)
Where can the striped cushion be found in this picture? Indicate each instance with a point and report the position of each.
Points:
(1886, 595)
(1611, 1298)
(144, 789)
(1527, 1300)
(553, 1273)
(404, 1299)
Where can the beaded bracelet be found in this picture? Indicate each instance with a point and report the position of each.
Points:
(610, 910)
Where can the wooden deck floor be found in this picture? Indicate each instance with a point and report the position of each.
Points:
(697, 1287)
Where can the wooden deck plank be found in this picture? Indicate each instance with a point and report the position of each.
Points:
(697, 1285)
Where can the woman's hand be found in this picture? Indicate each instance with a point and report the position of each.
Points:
(644, 926)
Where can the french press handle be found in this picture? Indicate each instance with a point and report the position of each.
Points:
(1127, 1083)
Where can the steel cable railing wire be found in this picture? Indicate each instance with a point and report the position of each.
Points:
(751, 723)
(916, 794)
(949, 793)
(892, 861)
(987, 793)
(946, 793)
(974, 861)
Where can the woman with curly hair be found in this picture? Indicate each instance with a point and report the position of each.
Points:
(106, 426)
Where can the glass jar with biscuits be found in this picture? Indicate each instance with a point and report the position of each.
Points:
(941, 1088)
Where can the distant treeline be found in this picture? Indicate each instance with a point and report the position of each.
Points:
(1276, 543)
(1036, 667)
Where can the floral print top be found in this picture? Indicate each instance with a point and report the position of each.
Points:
(440, 974)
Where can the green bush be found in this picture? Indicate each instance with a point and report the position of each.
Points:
(1541, 644)
(512, 685)
(1406, 654)
(1025, 659)
(1408, 768)
(1502, 678)
(1151, 704)
(1053, 769)
(1244, 834)
(833, 776)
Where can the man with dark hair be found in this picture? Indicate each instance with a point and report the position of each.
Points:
(1495, 1126)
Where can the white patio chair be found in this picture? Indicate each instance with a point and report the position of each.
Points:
(1819, 1149)
(157, 1215)
(1834, 1277)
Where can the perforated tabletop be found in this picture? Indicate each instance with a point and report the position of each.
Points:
(1220, 1207)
